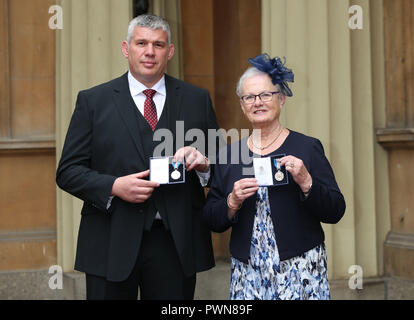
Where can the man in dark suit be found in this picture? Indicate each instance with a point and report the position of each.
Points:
(134, 232)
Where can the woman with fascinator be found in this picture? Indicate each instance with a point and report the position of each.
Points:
(277, 241)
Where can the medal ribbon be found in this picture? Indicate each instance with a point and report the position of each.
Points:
(176, 164)
(277, 164)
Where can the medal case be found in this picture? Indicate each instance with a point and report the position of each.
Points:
(279, 173)
(175, 171)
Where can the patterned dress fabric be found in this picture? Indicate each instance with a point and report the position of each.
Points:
(265, 277)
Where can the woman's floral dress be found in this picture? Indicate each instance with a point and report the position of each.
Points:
(265, 277)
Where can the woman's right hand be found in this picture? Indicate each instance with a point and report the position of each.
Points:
(242, 189)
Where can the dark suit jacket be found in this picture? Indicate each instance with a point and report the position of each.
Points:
(103, 143)
(296, 219)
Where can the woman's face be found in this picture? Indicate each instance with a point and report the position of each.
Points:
(259, 113)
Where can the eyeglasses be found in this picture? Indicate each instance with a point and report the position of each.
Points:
(264, 96)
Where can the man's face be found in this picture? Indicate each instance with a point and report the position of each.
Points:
(148, 53)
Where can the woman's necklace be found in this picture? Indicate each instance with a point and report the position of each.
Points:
(262, 148)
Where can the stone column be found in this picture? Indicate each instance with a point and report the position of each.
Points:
(170, 10)
(334, 95)
(397, 137)
(88, 52)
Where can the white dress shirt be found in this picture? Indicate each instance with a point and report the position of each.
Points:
(136, 88)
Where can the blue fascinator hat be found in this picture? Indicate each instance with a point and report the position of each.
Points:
(276, 70)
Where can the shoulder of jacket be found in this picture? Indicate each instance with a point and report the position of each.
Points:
(104, 87)
(184, 84)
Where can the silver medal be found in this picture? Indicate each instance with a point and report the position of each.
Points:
(279, 176)
(175, 174)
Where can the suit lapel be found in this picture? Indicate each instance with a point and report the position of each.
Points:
(126, 108)
(172, 102)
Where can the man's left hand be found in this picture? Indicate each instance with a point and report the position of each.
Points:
(193, 159)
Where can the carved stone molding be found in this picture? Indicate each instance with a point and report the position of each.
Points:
(396, 137)
(27, 144)
(400, 240)
(399, 255)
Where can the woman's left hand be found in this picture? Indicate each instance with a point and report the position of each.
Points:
(298, 170)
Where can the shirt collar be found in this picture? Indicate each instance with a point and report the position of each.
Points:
(137, 87)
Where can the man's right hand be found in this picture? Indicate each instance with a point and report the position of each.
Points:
(133, 188)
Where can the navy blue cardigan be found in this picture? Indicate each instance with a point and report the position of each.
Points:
(296, 219)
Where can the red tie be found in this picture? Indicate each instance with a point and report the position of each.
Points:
(150, 111)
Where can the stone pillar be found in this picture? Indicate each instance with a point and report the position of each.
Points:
(333, 100)
(397, 137)
(170, 10)
(88, 52)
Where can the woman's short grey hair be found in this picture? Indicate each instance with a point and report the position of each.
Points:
(148, 21)
(250, 72)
